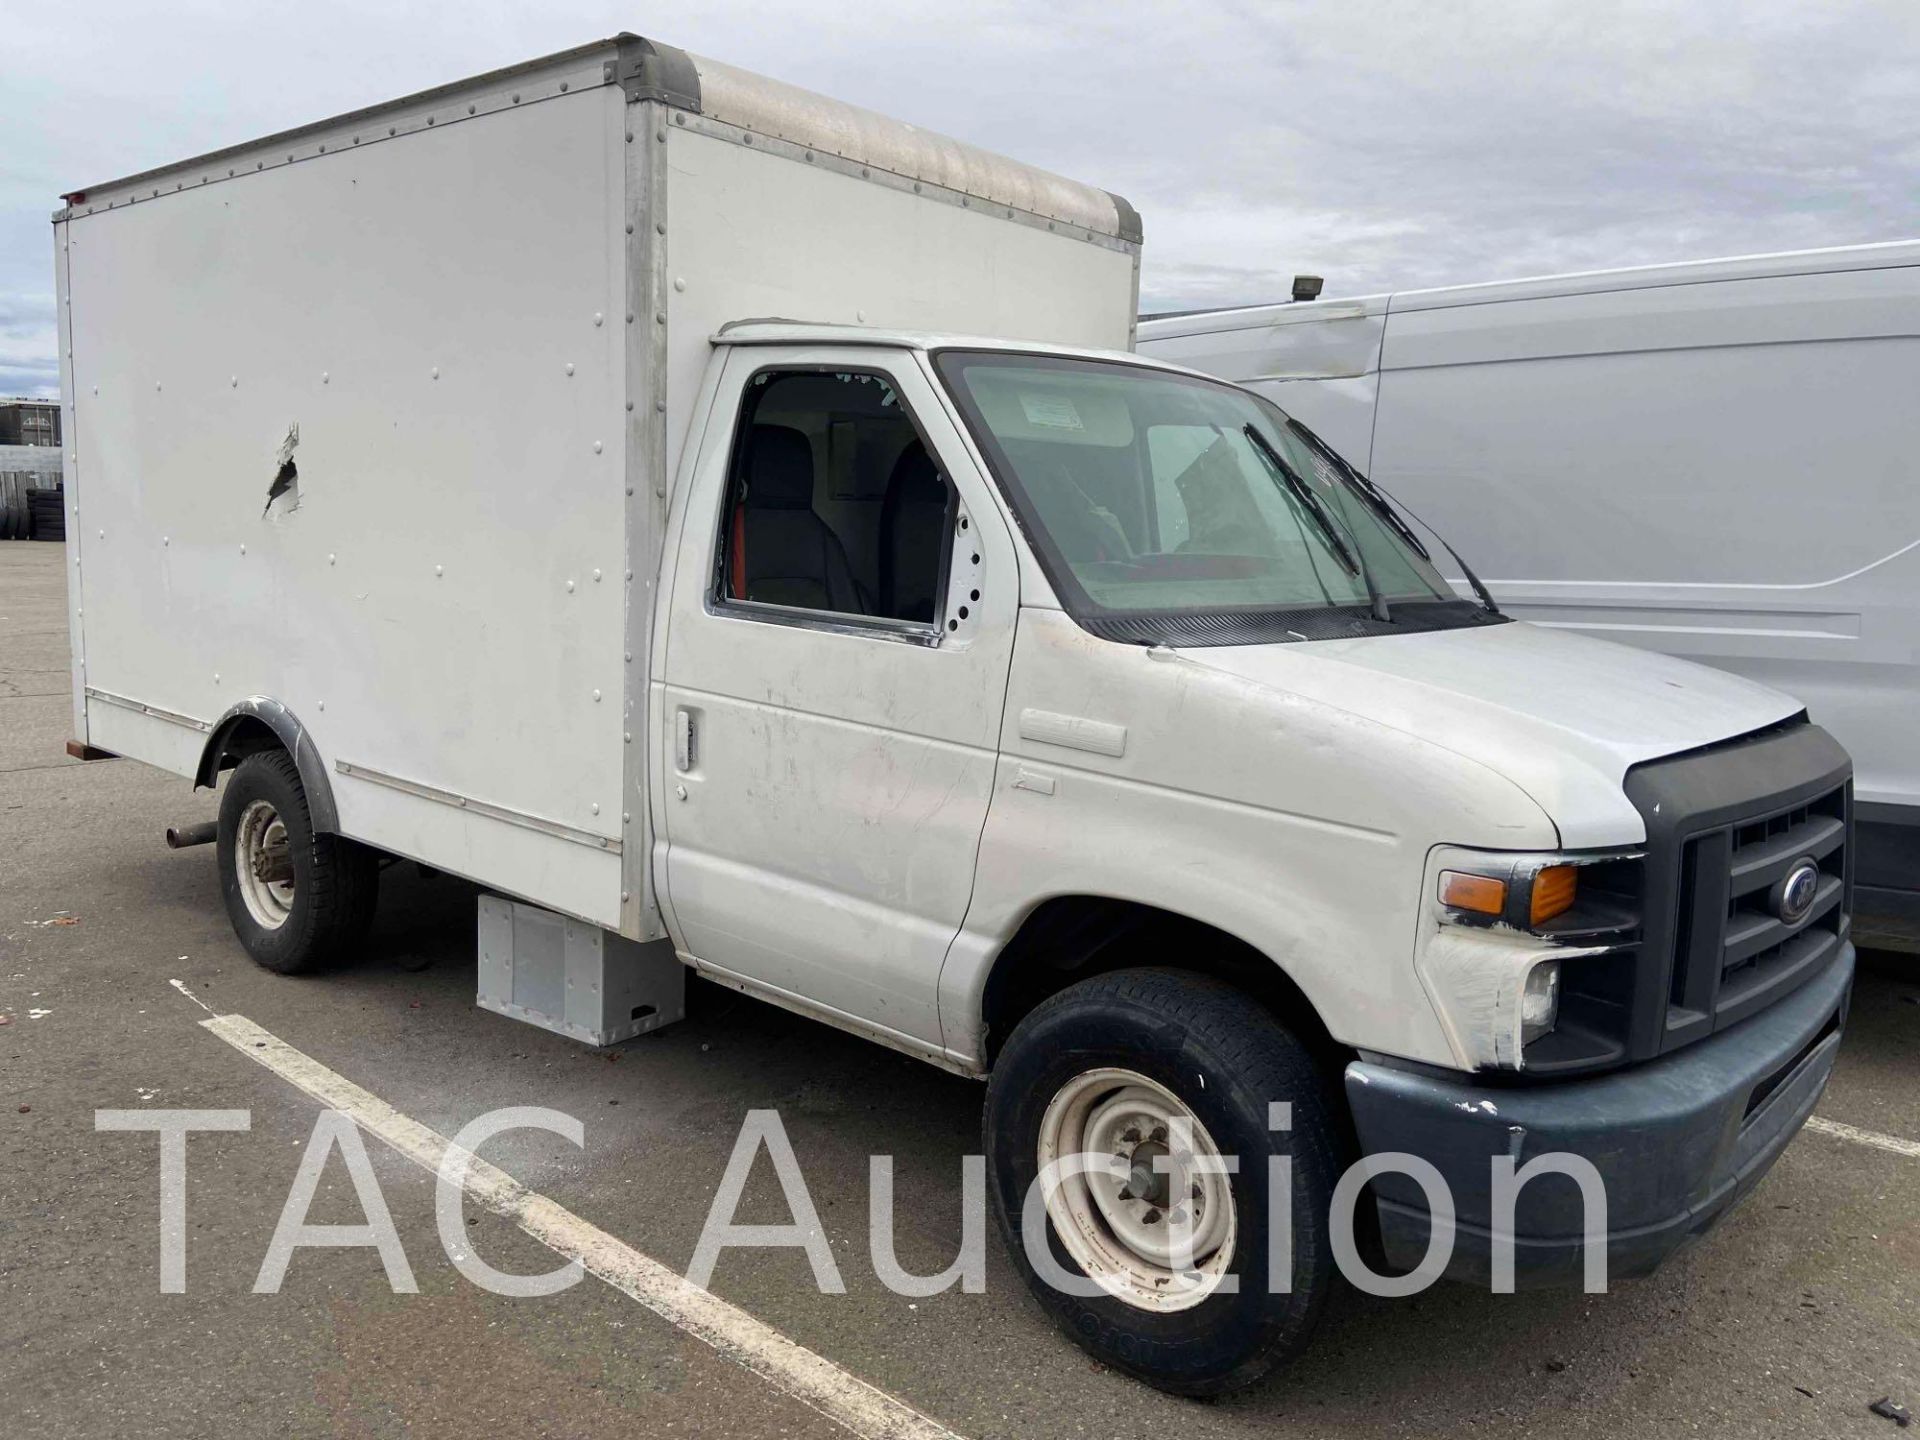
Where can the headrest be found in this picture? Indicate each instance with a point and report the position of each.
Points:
(916, 479)
(779, 469)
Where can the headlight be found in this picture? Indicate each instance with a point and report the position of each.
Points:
(1503, 936)
(1539, 1002)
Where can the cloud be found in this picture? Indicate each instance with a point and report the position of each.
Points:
(29, 362)
(38, 381)
(25, 312)
(1385, 144)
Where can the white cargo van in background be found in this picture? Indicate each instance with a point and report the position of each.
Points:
(1720, 460)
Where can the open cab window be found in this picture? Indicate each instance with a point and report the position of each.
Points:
(835, 502)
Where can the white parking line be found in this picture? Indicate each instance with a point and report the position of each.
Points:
(785, 1364)
(1893, 1143)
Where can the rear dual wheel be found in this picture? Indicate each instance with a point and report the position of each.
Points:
(1156, 1078)
(297, 899)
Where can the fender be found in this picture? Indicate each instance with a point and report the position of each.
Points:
(292, 735)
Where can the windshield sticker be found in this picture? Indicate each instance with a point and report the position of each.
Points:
(1056, 412)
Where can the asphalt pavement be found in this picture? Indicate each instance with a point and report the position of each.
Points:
(1788, 1320)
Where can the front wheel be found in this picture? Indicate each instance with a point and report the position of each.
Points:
(296, 899)
(1130, 1123)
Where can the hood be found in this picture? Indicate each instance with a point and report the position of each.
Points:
(1561, 715)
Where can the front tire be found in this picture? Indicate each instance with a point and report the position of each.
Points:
(1108, 1068)
(297, 900)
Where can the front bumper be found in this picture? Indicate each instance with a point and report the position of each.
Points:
(1677, 1141)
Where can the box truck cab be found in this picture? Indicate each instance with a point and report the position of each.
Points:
(1060, 717)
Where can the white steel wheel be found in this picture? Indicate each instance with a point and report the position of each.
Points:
(297, 899)
(263, 864)
(1158, 1237)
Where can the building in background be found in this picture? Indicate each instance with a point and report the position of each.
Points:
(29, 422)
(30, 476)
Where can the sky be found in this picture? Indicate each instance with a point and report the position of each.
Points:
(1381, 144)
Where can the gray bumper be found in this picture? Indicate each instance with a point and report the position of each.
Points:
(1678, 1141)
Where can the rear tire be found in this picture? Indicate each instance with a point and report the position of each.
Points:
(297, 900)
(1127, 1045)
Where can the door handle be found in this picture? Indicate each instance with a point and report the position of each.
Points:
(684, 748)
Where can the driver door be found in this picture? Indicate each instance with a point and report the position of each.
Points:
(840, 628)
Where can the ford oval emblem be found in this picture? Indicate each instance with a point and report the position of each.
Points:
(1793, 897)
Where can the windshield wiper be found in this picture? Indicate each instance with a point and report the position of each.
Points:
(1354, 559)
(1375, 499)
(1389, 509)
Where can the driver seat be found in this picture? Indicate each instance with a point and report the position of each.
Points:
(780, 551)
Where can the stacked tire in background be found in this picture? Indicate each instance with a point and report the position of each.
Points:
(47, 514)
(30, 510)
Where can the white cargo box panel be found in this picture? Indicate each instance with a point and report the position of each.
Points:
(372, 424)
(573, 978)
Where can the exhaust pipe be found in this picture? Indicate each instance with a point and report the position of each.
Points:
(179, 837)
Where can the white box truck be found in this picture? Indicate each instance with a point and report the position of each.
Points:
(1053, 715)
(1715, 460)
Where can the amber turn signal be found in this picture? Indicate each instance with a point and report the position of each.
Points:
(1553, 891)
(1481, 894)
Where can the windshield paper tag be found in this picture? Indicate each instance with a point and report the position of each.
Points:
(1056, 412)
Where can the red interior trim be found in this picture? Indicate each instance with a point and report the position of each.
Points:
(737, 554)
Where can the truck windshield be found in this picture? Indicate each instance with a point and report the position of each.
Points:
(1169, 508)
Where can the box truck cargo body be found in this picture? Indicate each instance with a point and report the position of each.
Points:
(592, 480)
(470, 328)
(1713, 459)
